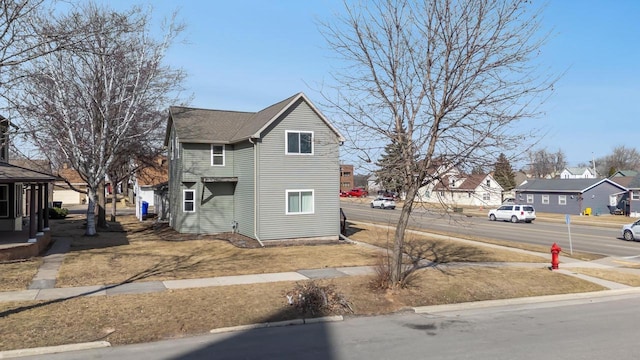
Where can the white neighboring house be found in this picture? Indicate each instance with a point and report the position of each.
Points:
(372, 184)
(146, 180)
(578, 173)
(457, 189)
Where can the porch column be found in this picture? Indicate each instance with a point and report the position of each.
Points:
(40, 212)
(46, 207)
(33, 226)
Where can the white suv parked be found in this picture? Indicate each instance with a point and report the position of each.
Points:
(513, 213)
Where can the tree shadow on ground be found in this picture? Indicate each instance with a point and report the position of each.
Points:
(180, 263)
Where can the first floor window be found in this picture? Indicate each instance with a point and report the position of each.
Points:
(299, 201)
(635, 195)
(189, 202)
(4, 201)
(562, 199)
(486, 196)
(529, 198)
(545, 199)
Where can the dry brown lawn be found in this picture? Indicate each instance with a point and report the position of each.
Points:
(17, 275)
(147, 317)
(141, 252)
(446, 250)
(615, 275)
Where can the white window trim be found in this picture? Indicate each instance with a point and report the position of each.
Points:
(184, 200)
(635, 195)
(485, 196)
(177, 148)
(6, 186)
(545, 199)
(286, 142)
(562, 199)
(313, 201)
(529, 198)
(224, 154)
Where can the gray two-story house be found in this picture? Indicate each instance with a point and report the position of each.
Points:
(270, 175)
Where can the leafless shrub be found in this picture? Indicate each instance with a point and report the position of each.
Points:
(313, 299)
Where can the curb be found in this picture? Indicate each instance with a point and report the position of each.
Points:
(9, 354)
(587, 296)
(277, 324)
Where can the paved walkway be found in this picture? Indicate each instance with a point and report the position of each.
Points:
(43, 287)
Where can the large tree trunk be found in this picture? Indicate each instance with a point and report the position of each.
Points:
(398, 244)
(114, 204)
(101, 206)
(91, 213)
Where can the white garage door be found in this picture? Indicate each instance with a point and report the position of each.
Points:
(68, 197)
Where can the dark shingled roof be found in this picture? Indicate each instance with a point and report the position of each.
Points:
(560, 185)
(12, 173)
(223, 127)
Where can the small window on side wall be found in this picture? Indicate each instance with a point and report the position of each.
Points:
(189, 201)
(299, 142)
(529, 198)
(217, 155)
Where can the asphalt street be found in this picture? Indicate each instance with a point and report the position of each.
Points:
(587, 328)
(585, 238)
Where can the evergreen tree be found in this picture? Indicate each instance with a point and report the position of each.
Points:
(389, 173)
(503, 173)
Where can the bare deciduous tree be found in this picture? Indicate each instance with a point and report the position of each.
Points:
(545, 164)
(621, 158)
(92, 100)
(441, 79)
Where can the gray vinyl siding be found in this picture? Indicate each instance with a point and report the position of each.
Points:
(596, 198)
(278, 172)
(572, 206)
(175, 179)
(244, 191)
(196, 160)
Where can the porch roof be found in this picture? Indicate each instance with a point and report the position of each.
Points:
(12, 174)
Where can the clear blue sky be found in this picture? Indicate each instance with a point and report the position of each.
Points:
(248, 54)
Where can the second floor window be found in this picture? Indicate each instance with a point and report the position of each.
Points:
(217, 155)
(299, 142)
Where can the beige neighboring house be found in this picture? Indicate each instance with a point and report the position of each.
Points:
(456, 189)
(146, 179)
(64, 193)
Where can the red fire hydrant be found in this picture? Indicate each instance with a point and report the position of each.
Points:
(555, 250)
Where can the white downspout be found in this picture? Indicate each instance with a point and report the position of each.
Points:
(255, 191)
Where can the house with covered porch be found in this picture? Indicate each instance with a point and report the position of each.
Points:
(15, 182)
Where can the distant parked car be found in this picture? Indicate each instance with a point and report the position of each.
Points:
(383, 202)
(631, 231)
(513, 213)
(390, 194)
(358, 192)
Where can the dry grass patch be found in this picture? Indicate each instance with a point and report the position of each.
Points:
(615, 275)
(17, 275)
(147, 317)
(139, 251)
(448, 250)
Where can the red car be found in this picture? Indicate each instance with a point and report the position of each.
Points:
(358, 192)
(344, 193)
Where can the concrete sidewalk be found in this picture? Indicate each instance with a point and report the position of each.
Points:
(53, 294)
